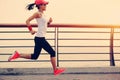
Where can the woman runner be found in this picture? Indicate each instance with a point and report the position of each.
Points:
(40, 41)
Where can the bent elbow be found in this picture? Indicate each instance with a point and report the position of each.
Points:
(27, 22)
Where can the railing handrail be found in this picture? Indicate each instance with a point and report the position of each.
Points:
(56, 26)
(63, 25)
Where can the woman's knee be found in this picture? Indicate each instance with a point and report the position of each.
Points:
(52, 54)
(33, 56)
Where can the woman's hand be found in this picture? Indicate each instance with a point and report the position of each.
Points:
(32, 32)
(50, 20)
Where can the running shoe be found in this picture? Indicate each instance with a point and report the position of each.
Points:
(59, 71)
(14, 56)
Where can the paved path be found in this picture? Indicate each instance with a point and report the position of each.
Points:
(90, 73)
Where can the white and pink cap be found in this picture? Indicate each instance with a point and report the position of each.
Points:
(37, 2)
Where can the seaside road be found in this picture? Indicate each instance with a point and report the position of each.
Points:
(87, 73)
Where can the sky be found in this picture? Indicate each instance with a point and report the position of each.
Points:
(64, 11)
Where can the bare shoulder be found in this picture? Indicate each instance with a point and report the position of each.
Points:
(37, 14)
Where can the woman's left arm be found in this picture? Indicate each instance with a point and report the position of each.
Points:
(50, 20)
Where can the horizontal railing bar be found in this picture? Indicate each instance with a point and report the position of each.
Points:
(48, 60)
(61, 61)
(17, 46)
(86, 53)
(116, 53)
(83, 32)
(116, 39)
(54, 31)
(62, 53)
(61, 25)
(26, 39)
(86, 46)
(59, 39)
(83, 26)
(85, 60)
(83, 53)
(116, 46)
(81, 60)
(80, 39)
(117, 60)
(60, 31)
(52, 46)
(29, 61)
(86, 39)
(19, 31)
(80, 32)
(22, 32)
(53, 39)
(4, 54)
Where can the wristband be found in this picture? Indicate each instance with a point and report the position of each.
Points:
(48, 23)
(30, 28)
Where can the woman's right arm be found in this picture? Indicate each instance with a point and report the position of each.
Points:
(35, 15)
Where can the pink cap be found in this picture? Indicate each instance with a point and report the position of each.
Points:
(41, 2)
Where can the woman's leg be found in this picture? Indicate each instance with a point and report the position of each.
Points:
(37, 50)
(53, 62)
(46, 46)
(49, 49)
(26, 56)
(19, 55)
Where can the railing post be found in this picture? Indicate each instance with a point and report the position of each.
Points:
(56, 45)
(112, 62)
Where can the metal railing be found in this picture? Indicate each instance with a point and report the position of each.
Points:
(57, 40)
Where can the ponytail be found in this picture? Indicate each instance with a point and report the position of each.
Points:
(30, 6)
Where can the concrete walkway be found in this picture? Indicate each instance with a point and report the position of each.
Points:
(87, 73)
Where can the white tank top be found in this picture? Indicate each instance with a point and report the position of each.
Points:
(42, 26)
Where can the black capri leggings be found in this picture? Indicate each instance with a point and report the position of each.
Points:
(40, 42)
